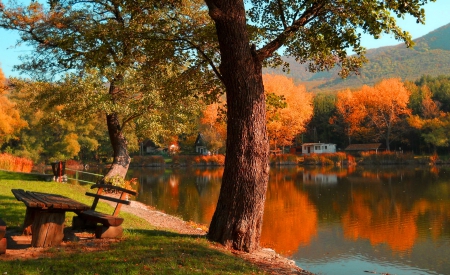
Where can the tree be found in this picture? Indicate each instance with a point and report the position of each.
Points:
(115, 46)
(318, 32)
(432, 123)
(324, 108)
(213, 127)
(49, 136)
(10, 121)
(385, 104)
(350, 113)
(288, 112)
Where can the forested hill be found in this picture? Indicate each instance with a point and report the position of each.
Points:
(430, 56)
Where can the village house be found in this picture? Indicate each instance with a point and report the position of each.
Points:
(318, 148)
(200, 145)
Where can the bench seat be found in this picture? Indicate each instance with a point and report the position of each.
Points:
(105, 219)
(111, 224)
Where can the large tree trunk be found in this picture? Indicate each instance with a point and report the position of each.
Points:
(237, 221)
(122, 159)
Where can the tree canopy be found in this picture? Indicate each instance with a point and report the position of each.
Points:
(125, 59)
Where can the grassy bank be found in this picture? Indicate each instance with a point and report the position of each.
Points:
(144, 250)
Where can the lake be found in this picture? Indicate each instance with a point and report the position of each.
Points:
(393, 220)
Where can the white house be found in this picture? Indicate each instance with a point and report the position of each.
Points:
(318, 148)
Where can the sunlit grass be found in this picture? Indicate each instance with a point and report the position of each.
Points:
(143, 249)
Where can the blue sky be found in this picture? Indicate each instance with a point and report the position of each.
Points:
(436, 16)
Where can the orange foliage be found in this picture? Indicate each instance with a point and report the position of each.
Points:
(285, 123)
(10, 121)
(213, 126)
(298, 224)
(376, 108)
(350, 111)
(15, 164)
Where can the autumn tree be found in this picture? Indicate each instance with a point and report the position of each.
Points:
(432, 123)
(10, 121)
(120, 60)
(213, 126)
(386, 105)
(288, 111)
(350, 113)
(315, 32)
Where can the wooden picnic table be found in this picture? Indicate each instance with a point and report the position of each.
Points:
(45, 215)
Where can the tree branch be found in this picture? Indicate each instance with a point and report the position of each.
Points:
(280, 40)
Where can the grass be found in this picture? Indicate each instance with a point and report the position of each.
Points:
(144, 250)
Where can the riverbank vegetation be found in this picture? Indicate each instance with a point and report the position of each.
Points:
(418, 130)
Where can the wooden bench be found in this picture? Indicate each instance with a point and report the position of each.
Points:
(110, 224)
(2, 237)
(45, 216)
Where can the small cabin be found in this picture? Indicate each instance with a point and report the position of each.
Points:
(200, 145)
(318, 148)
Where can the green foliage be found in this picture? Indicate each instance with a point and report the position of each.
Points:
(127, 60)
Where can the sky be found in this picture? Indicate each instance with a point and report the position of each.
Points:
(437, 15)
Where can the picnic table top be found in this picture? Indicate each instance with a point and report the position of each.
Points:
(48, 201)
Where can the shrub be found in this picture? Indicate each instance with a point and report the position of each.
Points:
(387, 157)
(213, 160)
(148, 161)
(326, 159)
(16, 164)
(283, 159)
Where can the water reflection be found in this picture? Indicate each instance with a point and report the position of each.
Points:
(298, 223)
(393, 220)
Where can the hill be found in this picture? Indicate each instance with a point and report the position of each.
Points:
(429, 56)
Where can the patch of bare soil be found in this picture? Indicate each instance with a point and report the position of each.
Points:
(19, 247)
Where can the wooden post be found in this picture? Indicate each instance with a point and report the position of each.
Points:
(48, 228)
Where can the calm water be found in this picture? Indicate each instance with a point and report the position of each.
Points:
(391, 220)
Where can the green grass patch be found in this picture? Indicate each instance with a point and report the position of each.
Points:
(143, 249)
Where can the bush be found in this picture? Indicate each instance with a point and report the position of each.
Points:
(283, 159)
(213, 160)
(145, 161)
(327, 159)
(16, 164)
(387, 158)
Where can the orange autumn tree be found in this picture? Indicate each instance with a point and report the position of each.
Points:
(289, 109)
(386, 105)
(10, 121)
(213, 126)
(349, 113)
(373, 112)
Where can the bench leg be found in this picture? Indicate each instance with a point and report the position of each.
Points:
(3, 246)
(111, 232)
(28, 222)
(48, 229)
